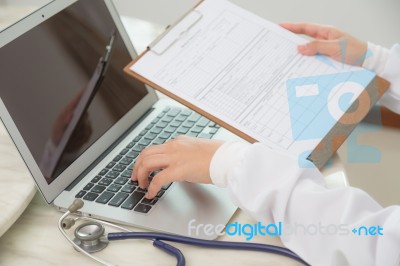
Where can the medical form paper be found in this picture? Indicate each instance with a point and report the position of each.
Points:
(246, 72)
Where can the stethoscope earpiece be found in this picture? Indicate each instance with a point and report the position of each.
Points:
(90, 237)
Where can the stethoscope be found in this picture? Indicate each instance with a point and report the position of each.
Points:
(90, 237)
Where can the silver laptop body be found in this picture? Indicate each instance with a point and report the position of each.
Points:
(70, 110)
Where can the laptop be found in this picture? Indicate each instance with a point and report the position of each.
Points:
(79, 121)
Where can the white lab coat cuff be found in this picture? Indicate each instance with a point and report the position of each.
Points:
(376, 58)
(224, 160)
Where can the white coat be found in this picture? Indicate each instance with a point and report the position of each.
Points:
(271, 187)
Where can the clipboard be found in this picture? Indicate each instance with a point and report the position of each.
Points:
(194, 16)
(326, 147)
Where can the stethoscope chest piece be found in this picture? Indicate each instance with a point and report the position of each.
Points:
(90, 237)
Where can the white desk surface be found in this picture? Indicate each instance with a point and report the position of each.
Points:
(34, 238)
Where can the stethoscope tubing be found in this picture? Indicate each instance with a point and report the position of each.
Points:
(206, 243)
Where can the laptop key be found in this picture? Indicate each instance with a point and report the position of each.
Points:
(105, 197)
(132, 200)
(114, 188)
(150, 136)
(110, 165)
(158, 141)
(117, 158)
(105, 181)
(155, 120)
(118, 199)
(213, 130)
(196, 129)
(90, 196)
(119, 168)
(132, 154)
(103, 172)
(80, 194)
(165, 135)
(175, 123)
(149, 201)
(160, 193)
(156, 130)
(175, 135)
(127, 173)
(130, 145)
(88, 186)
(194, 117)
(135, 183)
(145, 142)
(162, 124)
(112, 174)
(142, 208)
(183, 130)
(167, 119)
(174, 112)
(192, 134)
(126, 161)
(149, 126)
(203, 122)
(166, 109)
(121, 180)
(186, 112)
(170, 129)
(96, 179)
(188, 124)
(180, 118)
(138, 148)
(98, 189)
(124, 151)
(205, 136)
(128, 188)
(144, 190)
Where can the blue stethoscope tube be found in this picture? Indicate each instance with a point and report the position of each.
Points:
(157, 237)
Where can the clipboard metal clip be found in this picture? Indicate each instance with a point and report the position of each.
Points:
(175, 32)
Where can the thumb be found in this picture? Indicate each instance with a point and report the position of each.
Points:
(325, 47)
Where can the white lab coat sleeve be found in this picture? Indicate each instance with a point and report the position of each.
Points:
(386, 63)
(272, 188)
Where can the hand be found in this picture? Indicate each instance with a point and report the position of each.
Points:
(181, 159)
(331, 42)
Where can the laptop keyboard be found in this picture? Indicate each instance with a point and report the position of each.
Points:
(113, 185)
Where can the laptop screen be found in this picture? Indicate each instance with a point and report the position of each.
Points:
(64, 86)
